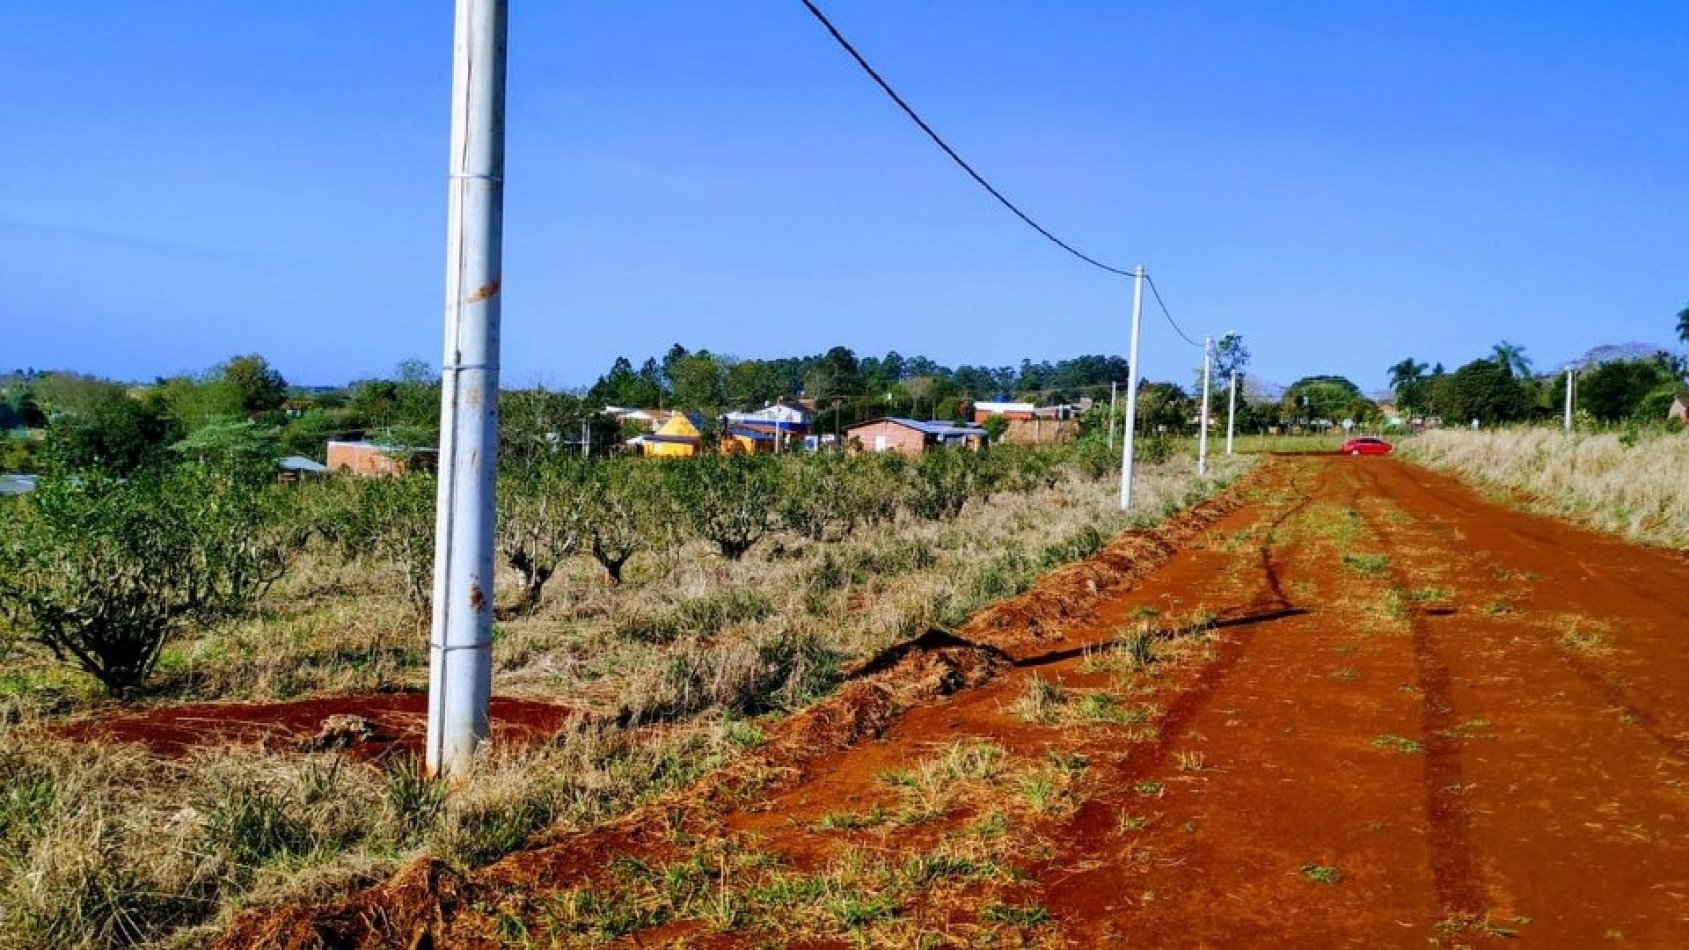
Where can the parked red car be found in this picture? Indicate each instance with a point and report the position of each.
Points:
(1366, 445)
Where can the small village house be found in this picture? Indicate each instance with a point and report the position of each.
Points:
(372, 458)
(912, 436)
(679, 436)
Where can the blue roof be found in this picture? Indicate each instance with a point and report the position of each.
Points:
(937, 427)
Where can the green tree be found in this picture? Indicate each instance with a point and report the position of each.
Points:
(696, 381)
(241, 448)
(1328, 398)
(1683, 325)
(261, 387)
(1408, 381)
(116, 435)
(1484, 390)
(1614, 391)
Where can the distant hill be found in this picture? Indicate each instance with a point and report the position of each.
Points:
(1610, 353)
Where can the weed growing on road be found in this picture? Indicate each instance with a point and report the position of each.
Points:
(1371, 565)
(1399, 744)
(1583, 640)
(1322, 873)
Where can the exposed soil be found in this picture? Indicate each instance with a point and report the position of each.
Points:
(364, 726)
(1363, 708)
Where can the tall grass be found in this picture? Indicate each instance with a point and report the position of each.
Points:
(1635, 485)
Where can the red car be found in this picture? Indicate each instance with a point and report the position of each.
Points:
(1366, 445)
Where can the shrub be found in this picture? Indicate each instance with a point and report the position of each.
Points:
(104, 572)
(729, 500)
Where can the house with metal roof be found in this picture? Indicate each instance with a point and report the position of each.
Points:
(912, 436)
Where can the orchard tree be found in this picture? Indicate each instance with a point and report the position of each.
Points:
(105, 571)
(729, 500)
(541, 521)
(629, 507)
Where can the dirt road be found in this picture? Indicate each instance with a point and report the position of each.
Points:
(1366, 708)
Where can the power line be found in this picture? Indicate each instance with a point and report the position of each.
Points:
(976, 176)
(1170, 321)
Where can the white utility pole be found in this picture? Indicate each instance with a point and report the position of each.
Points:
(1131, 389)
(1231, 412)
(1113, 390)
(460, 666)
(1568, 399)
(1202, 437)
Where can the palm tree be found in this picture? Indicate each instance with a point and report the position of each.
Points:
(1407, 382)
(1511, 357)
(1407, 371)
(1683, 325)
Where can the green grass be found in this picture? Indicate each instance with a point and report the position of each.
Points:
(1369, 564)
(1399, 744)
(1322, 873)
(1021, 915)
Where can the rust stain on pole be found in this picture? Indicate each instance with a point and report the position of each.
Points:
(477, 600)
(485, 292)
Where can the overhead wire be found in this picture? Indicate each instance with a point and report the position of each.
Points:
(939, 141)
(1164, 312)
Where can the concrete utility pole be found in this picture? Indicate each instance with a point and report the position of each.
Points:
(1113, 393)
(1131, 389)
(1231, 412)
(1568, 399)
(1202, 437)
(460, 667)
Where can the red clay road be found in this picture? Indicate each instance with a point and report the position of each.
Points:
(1385, 712)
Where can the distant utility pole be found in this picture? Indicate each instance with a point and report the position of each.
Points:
(460, 667)
(1131, 389)
(1202, 437)
(1568, 399)
(1113, 392)
(1231, 411)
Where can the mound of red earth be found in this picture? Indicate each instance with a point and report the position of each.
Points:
(366, 727)
(418, 905)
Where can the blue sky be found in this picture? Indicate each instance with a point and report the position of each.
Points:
(1345, 184)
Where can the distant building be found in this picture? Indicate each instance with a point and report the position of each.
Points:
(678, 437)
(1680, 407)
(372, 458)
(912, 436)
(1030, 424)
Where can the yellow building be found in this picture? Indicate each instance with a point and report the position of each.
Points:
(676, 438)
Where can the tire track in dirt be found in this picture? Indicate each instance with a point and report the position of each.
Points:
(1460, 885)
(1574, 793)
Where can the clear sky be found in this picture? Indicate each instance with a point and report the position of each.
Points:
(1343, 183)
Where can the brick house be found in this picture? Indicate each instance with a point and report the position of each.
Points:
(911, 436)
(1029, 424)
(371, 458)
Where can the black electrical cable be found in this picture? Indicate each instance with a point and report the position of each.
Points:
(976, 176)
(1164, 312)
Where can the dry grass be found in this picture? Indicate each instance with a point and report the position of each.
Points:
(1632, 486)
(101, 845)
